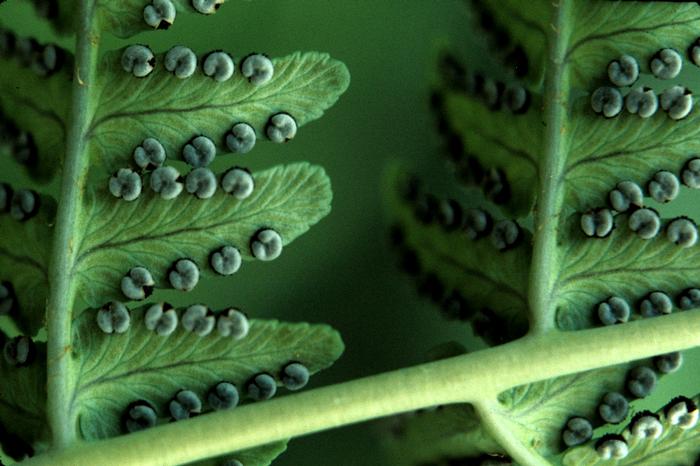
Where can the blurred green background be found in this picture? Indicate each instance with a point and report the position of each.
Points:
(341, 272)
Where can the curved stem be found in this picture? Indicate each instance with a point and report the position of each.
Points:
(467, 378)
(544, 259)
(61, 289)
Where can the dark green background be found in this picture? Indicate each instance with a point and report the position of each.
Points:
(341, 272)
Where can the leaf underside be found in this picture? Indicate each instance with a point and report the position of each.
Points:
(620, 265)
(438, 434)
(598, 152)
(602, 152)
(24, 257)
(511, 26)
(38, 105)
(115, 235)
(174, 110)
(261, 456)
(115, 370)
(606, 151)
(489, 281)
(500, 140)
(539, 411)
(589, 155)
(125, 18)
(675, 446)
(23, 403)
(60, 14)
(154, 233)
(600, 35)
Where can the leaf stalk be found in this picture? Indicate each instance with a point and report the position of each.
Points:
(61, 299)
(549, 196)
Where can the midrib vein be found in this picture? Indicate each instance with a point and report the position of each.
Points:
(544, 261)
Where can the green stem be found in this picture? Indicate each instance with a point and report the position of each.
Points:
(60, 380)
(469, 378)
(543, 269)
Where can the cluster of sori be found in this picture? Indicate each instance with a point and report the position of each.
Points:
(449, 214)
(21, 204)
(166, 181)
(617, 310)
(475, 224)
(138, 283)
(18, 351)
(452, 304)
(17, 142)
(184, 404)
(680, 414)
(510, 53)
(160, 14)
(628, 197)
(614, 408)
(623, 72)
(492, 181)
(42, 59)
(163, 319)
(140, 61)
(494, 459)
(496, 95)
(8, 299)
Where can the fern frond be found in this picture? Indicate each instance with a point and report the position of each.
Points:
(677, 443)
(24, 257)
(129, 17)
(446, 433)
(458, 265)
(116, 370)
(586, 167)
(599, 35)
(596, 269)
(23, 399)
(154, 233)
(261, 456)
(34, 105)
(174, 110)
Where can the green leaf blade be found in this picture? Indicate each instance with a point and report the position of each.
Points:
(627, 148)
(23, 401)
(174, 110)
(675, 446)
(430, 436)
(261, 456)
(24, 258)
(115, 370)
(154, 233)
(600, 37)
(493, 283)
(501, 140)
(125, 18)
(38, 105)
(537, 413)
(620, 265)
(527, 26)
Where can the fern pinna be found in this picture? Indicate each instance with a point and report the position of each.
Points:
(565, 147)
(131, 133)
